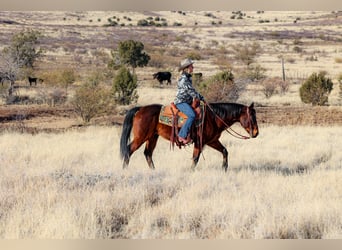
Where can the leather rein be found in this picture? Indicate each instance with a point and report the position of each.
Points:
(228, 129)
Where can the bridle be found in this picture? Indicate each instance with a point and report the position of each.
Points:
(231, 131)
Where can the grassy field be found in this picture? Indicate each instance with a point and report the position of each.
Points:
(62, 179)
(283, 184)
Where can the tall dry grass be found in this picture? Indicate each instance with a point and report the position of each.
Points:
(284, 184)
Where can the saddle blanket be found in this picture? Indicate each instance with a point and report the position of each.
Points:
(166, 116)
(167, 112)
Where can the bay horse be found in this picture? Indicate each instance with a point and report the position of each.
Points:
(144, 122)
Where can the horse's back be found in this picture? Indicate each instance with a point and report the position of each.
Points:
(148, 113)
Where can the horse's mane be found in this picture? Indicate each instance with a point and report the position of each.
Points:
(224, 109)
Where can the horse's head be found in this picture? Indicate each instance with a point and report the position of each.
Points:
(248, 121)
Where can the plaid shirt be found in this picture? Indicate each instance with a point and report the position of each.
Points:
(186, 92)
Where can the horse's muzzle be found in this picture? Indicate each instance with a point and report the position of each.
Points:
(255, 133)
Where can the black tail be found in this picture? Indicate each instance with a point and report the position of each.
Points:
(126, 132)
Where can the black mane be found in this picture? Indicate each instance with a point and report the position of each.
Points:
(224, 109)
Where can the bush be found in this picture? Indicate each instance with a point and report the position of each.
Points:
(220, 87)
(57, 96)
(143, 22)
(194, 55)
(316, 89)
(67, 77)
(274, 85)
(255, 72)
(124, 87)
(91, 101)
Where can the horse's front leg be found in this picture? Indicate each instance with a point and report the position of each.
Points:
(219, 147)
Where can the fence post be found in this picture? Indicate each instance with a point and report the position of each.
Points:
(283, 68)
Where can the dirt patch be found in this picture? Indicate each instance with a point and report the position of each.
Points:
(35, 118)
(287, 115)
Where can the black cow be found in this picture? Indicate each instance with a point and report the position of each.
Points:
(163, 76)
(34, 80)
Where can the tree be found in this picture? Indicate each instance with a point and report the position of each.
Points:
(316, 89)
(21, 53)
(124, 87)
(9, 70)
(24, 48)
(131, 53)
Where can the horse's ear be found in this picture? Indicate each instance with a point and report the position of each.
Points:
(252, 105)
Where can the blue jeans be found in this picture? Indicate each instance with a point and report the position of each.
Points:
(189, 112)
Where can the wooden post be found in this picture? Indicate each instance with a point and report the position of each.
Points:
(283, 68)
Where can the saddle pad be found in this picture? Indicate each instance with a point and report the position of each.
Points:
(166, 114)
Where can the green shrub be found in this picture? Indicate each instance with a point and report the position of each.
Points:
(132, 53)
(143, 22)
(124, 87)
(316, 89)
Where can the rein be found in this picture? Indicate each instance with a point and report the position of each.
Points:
(230, 131)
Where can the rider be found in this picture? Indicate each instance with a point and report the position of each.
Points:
(184, 97)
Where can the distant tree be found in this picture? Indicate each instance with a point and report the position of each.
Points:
(124, 87)
(9, 70)
(20, 54)
(316, 89)
(131, 53)
(24, 47)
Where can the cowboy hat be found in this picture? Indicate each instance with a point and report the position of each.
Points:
(185, 63)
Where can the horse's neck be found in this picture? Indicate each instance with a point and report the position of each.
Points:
(228, 119)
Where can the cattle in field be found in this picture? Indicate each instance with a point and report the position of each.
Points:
(34, 80)
(163, 76)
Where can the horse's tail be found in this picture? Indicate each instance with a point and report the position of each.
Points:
(126, 132)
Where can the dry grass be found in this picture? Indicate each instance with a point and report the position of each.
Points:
(283, 184)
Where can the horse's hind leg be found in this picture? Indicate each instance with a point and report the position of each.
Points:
(133, 146)
(149, 148)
